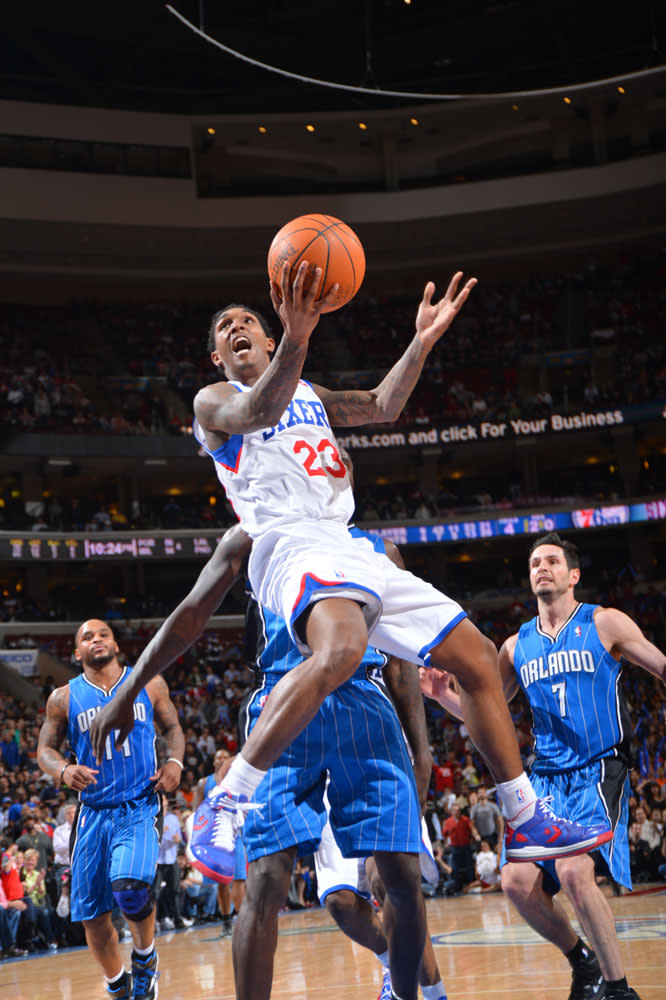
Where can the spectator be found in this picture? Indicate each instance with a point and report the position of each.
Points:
(487, 819)
(61, 839)
(199, 894)
(167, 877)
(459, 832)
(34, 881)
(487, 868)
(37, 839)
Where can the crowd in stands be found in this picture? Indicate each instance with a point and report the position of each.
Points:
(473, 375)
(503, 360)
(169, 512)
(207, 686)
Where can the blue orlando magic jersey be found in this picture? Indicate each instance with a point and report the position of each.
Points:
(573, 686)
(122, 774)
(270, 645)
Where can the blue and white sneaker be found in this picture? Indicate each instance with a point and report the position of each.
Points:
(547, 836)
(214, 830)
(386, 992)
(144, 976)
(123, 991)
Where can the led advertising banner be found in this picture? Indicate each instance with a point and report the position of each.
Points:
(107, 547)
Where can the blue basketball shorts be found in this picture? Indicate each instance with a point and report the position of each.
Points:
(356, 740)
(294, 566)
(110, 843)
(596, 793)
(240, 869)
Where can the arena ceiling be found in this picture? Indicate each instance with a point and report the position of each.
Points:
(129, 54)
(137, 55)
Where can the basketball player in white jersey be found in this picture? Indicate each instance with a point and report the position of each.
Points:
(269, 434)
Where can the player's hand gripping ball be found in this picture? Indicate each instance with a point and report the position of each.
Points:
(323, 242)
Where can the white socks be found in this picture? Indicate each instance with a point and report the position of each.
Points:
(433, 992)
(242, 778)
(518, 799)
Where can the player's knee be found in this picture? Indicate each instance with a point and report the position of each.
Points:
(266, 887)
(517, 882)
(135, 898)
(401, 877)
(341, 905)
(337, 664)
(576, 876)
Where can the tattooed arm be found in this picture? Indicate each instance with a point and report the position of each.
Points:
(179, 631)
(52, 736)
(402, 681)
(385, 403)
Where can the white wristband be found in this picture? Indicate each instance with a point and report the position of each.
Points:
(175, 760)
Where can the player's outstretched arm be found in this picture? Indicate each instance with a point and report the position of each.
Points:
(622, 637)
(402, 681)
(385, 403)
(176, 635)
(436, 684)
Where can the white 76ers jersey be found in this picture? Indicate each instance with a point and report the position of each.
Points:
(286, 473)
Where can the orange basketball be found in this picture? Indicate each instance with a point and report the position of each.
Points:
(323, 242)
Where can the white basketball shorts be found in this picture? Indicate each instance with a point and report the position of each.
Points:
(336, 872)
(294, 565)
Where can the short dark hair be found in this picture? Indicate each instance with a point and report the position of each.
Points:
(210, 343)
(108, 625)
(568, 548)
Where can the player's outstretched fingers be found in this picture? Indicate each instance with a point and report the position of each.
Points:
(329, 299)
(428, 293)
(463, 295)
(285, 288)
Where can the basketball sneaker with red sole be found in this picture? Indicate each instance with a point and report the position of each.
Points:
(546, 836)
(215, 828)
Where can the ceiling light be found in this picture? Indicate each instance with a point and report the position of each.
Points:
(363, 127)
(310, 128)
(59, 461)
(211, 131)
(567, 100)
(514, 107)
(621, 90)
(263, 129)
(413, 121)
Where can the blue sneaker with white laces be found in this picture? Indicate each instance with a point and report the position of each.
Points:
(215, 828)
(547, 836)
(386, 992)
(144, 976)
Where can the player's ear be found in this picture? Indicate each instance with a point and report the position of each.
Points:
(575, 576)
(270, 345)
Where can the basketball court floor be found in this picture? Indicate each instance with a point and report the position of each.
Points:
(483, 949)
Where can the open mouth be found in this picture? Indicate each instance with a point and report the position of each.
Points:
(241, 343)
